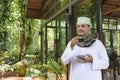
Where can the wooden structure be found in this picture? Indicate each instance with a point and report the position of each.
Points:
(36, 8)
(43, 9)
(111, 8)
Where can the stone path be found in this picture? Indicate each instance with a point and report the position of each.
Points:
(107, 76)
(21, 78)
(52, 76)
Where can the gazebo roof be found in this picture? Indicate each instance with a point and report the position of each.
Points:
(111, 8)
(36, 8)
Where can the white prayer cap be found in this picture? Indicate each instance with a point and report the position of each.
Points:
(84, 20)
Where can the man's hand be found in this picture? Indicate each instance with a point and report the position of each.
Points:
(74, 41)
(88, 58)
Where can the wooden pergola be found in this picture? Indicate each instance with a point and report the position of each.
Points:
(111, 8)
(37, 8)
(40, 9)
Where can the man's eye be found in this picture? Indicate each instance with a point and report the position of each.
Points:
(78, 26)
(82, 26)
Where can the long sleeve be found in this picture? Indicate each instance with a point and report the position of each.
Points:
(102, 61)
(67, 55)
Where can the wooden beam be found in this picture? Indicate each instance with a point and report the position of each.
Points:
(33, 14)
(34, 5)
(35, 1)
(112, 10)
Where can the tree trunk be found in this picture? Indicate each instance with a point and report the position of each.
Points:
(21, 41)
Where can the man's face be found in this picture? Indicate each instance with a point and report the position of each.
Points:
(83, 29)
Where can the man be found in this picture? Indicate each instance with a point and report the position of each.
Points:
(85, 53)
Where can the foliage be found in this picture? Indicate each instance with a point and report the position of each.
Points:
(11, 13)
(34, 67)
(34, 72)
(3, 56)
(5, 68)
(54, 67)
(60, 42)
(19, 67)
(87, 8)
(4, 12)
(23, 68)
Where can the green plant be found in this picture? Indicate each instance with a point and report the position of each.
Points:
(34, 72)
(5, 68)
(54, 67)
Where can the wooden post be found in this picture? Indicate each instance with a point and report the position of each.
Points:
(21, 41)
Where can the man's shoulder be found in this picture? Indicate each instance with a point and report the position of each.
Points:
(98, 41)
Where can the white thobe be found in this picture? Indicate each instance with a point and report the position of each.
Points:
(89, 70)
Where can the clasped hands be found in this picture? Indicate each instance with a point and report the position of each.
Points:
(88, 57)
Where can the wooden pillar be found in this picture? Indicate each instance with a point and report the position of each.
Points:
(56, 42)
(41, 45)
(70, 29)
(99, 21)
(46, 48)
(21, 41)
(99, 26)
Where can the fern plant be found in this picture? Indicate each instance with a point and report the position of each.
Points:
(54, 67)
